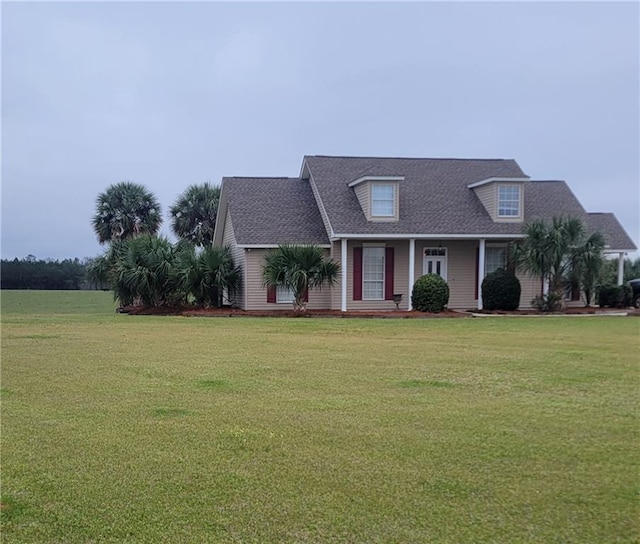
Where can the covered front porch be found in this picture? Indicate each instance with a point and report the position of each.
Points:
(462, 261)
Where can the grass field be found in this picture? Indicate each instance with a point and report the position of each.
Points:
(120, 428)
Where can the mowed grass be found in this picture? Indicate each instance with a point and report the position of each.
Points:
(118, 428)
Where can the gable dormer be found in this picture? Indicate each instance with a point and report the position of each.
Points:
(379, 196)
(503, 198)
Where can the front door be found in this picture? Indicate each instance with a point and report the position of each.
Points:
(435, 261)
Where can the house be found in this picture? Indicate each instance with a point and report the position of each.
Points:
(387, 221)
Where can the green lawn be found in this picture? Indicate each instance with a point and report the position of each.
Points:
(120, 428)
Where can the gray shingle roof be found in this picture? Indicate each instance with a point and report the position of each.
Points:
(615, 235)
(273, 211)
(434, 199)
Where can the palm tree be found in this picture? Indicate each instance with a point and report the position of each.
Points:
(559, 252)
(193, 216)
(144, 272)
(299, 268)
(124, 210)
(207, 275)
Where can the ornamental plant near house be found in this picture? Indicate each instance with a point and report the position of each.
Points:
(501, 291)
(299, 268)
(430, 293)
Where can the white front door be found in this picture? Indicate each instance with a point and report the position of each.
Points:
(435, 261)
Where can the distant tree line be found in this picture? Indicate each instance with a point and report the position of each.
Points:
(31, 273)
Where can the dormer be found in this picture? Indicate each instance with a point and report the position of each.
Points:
(503, 198)
(378, 196)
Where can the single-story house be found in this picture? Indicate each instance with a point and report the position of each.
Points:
(387, 221)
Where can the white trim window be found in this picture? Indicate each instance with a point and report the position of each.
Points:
(373, 273)
(284, 295)
(509, 201)
(495, 257)
(383, 199)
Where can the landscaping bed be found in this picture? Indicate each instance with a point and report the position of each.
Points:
(380, 314)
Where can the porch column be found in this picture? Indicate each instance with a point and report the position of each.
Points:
(344, 268)
(620, 268)
(412, 269)
(481, 257)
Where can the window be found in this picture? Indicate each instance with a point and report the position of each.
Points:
(495, 257)
(383, 199)
(508, 201)
(373, 273)
(284, 294)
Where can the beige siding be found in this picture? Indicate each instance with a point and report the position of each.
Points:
(229, 239)
(400, 277)
(256, 293)
(461, 270)
(336, 292)
(488, 197)
(362, 192)
(531, 287)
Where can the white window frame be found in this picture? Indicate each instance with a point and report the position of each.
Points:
(490, 246)
(365, 250)
(506, 203)
(284, 295)
(375, 200)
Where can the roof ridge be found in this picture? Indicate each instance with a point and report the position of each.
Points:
(405, 158)
(260, 177)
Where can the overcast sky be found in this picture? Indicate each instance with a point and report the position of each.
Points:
(171, 94)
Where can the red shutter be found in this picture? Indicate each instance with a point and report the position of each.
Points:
(357, 273)
(306, 295)
(271, 294)
(388, 273)
(477, 271)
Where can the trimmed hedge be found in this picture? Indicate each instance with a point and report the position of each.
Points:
(430, 293)
(501, 291)
(615, 296)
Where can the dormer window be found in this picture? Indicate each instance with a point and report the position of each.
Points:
(378, 196)
(508, 200)
(383, 199)
(503, 198)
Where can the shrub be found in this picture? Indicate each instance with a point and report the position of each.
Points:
(551, 302)
(615, 296)
(430, 293)
(501, 291)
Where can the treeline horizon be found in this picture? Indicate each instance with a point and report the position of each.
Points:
(47, 274)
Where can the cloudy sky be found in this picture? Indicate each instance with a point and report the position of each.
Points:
(174, 93)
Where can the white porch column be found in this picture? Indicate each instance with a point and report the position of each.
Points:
(620, 268)
(412, 269)
(343, 265)
(481, 257)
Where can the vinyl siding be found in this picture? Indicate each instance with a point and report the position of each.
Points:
(256, 293)
(362, 192)
(530, 287)
(400, 278)
(461, 270)
(488, 197)
(229, 239)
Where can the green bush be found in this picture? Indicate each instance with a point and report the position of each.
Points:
(615, 296)
(430, 293)
(501, 291)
